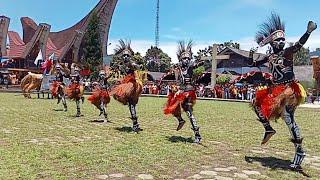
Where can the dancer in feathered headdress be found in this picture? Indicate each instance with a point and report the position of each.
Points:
(285, 94)
(130, 87)
(75, 88)
(57, 87)
(185, 97)
(100, 96)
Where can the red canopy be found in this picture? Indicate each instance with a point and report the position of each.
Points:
(85, 72)
(254, 77)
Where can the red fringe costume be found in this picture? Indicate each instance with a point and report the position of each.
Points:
(272, 100)
(97, 95)
(129, 88)
(54, 88)
(74, 90)
(173, 105)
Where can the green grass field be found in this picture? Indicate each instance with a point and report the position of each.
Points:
(37, 141)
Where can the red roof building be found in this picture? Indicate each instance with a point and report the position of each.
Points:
(65, 44)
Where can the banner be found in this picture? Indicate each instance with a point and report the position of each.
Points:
(316, 69)
(47, 81)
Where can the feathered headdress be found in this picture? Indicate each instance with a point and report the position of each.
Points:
(270, 30)
(124, 47)
(184, 50)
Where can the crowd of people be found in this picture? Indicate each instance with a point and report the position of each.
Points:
(225, 91)
(10, 78)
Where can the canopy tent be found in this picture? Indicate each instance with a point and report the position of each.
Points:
(255, 77)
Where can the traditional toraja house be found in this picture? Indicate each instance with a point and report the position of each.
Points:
(65, 44)
(237, 62)
(4, 25)
(233, 62)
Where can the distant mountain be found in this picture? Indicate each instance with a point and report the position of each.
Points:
(315, 53)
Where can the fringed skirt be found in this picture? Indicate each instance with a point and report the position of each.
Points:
(99, 95)
(54, 88)
(273, 99)
(74, 91)
(176, 99)
(128, 90)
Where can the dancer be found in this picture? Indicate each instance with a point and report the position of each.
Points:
(130, 88)
(75, 89)
(100, 96)
(284, 95)
(57, 87)
(185, 97)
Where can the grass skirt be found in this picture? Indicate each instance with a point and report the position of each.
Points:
(128, 89)
(176, 99)
(273, 99)
(99, 95)
(74, 90)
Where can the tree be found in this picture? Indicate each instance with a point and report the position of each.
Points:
(140, 60)
(92, 52)
(198, 71)
(206, 52)
(231, 44)
(116, 61)
(301, 57)
(223, 78)
(157, 60)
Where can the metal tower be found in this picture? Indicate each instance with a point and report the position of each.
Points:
(157, 25)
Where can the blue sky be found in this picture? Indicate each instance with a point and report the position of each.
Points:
(203, 21)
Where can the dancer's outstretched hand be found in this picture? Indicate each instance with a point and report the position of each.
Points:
(311, 26)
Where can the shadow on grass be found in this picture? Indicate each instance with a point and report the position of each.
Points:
(273, 163)
(124, 129)
(97, 121)
(57, 109)
(270, 162)
(175, 139)
(76, 117)
(100, 121)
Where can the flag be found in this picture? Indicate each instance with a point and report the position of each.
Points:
(39, 58)
(51, 57)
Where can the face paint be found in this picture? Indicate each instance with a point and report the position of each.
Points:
(278, 45)
(185, 61)
(126, 57)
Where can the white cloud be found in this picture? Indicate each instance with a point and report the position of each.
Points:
(313, 41)
(246, 43)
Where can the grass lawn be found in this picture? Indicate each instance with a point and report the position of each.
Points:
(39, 142)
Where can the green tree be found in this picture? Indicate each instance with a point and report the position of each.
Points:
(198, 71)
(140, 60)
(301, 57)
(92, 52)
(116, 61)
(157, 60)
(206, 52)
(223, 78)
(231, 44)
